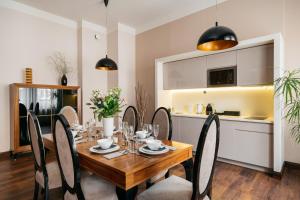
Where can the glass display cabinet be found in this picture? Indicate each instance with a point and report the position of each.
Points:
(45, 101)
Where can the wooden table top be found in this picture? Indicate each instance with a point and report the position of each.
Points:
(128, 170)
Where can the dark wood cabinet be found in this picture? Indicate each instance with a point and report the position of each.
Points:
(45, 101)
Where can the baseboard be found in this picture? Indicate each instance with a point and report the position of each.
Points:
(5, 155)
(292, 165)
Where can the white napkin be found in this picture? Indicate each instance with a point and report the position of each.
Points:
(115, 154)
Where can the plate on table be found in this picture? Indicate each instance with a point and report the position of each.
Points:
(146, 150)
(99, 150)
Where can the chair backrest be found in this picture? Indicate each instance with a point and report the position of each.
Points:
(67, 158)
(131, 117)
(206, 154)
(70, 114)
(162, 117)
(36, 142)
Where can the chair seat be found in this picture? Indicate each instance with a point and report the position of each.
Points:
(94, 188)
(54, 178)
(172, 188)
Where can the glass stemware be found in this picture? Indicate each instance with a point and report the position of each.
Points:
(155, 130)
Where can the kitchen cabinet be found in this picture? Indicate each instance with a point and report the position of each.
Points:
(255, 65)
(246, 142)
(187, 130)
(220, 60)
(185, 74)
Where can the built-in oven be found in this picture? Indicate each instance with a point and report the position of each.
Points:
(222, 77)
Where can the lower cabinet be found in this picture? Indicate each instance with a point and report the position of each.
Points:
(187, 130)
(247, 142)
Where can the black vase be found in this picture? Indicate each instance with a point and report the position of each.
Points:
(64, 80)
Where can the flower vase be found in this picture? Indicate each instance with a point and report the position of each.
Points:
(108, 126)
(64, 80)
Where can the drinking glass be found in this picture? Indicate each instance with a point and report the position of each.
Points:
(145, 127)
(155, 130)
(131, 139)
(150, 129)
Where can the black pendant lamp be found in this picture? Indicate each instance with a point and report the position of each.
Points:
(217, 38)
(106, 63)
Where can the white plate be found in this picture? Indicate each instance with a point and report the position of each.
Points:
(104, 151)
(150, 152)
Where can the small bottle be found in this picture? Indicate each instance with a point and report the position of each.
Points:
(209, 109)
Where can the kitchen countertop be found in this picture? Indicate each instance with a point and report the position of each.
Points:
(224, 117)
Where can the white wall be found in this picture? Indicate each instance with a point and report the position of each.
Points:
(91, 50)
(28, 41)
(126, 60)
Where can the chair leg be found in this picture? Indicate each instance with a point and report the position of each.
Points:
(46, 195)
(36, 191)
(149, 184)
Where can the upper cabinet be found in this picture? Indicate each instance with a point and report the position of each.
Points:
(255, 65)
(185, 74)
(220, 60)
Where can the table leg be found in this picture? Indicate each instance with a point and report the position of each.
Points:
(126, 194)
(188, 166)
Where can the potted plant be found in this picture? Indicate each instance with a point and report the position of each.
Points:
(106, 107)
(59, 61)
(289, 86)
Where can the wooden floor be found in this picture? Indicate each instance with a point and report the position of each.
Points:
(230, 182)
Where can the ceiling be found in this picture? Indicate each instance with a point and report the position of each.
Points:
(139, 14)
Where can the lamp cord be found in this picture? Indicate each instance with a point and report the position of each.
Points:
(216, 12)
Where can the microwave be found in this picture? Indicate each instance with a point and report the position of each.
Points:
(222, 77)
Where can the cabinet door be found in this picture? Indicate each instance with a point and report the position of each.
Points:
(255, 65)
(255, 143)
(190, 130)
(220, 60)
(176, 128)
(227, 144)
(185, 74)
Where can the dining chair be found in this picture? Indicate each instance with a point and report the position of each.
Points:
(174, 187)
(131, 117)
(47, 175)
(162, 117)
(70, 114)
(76, 184)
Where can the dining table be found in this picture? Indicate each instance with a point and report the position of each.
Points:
(128, 171)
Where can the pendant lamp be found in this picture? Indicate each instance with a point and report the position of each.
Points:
(106, 63)
(217, 38)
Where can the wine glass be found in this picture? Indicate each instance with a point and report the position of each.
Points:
(150, 129)
(146, 128)
(155, 130)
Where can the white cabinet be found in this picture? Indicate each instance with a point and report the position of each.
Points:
(185, 74)
(220, 60)
(246, 142)
(255, 65)
(187, 130)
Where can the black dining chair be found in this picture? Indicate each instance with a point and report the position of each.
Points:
(76, 183)
(47, 175)
(162, 117)
(70, 114)
(176, 188)
(131, 117)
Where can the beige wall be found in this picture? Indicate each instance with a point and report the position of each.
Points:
(248, 18)
(28, 41)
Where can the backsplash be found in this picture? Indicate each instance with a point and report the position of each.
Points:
(250, 101)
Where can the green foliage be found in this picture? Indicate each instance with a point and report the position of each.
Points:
(289, 86)
(105, 106)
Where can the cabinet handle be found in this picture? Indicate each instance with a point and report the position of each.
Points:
(249, 131)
